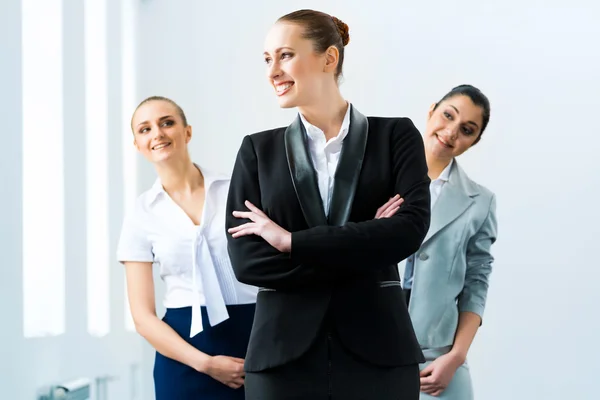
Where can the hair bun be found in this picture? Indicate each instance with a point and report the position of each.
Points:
(342, 28)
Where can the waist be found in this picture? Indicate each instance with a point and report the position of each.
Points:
(232, 309)
(180, 294)
(235, 329)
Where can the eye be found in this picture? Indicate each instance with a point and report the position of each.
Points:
(168, 123)
(144, 130)
(467, 131)
(267, 60)
(286, 55)
(448, 115)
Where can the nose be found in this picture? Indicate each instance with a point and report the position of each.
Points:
(158, 133)
(451, 131)
(274, 70)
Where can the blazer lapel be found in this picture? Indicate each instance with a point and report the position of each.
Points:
(348, 169)
(303, 174)
(456, 197)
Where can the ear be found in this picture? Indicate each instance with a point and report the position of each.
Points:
(431, 109)
(188, 134)
(135, 143)
(332, 57)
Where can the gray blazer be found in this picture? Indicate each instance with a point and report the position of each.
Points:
(453, 265)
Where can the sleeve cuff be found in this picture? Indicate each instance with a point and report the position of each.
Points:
(134, 257)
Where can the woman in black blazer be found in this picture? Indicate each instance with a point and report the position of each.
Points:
(330, 321)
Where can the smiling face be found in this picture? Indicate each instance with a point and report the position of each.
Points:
(297, 73)
(160, 132)
(452, 127)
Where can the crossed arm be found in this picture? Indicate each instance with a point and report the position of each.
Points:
(264, 254)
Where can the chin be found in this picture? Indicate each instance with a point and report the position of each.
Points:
(286, 103)
(162, 158)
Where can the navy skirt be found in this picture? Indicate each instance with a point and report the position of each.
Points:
(174, 380)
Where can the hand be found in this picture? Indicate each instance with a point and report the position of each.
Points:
(437, 375)
(390, 207)
(262, 226)
(227, 370)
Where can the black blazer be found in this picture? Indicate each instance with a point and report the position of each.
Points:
(346, 263)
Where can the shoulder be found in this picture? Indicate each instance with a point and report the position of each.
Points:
(261, 143)
(143, 205)
(144, 200)
(391, 123)
(397, 128)
(486, 198)
(266, 136)
(398, 132)
(138, 219)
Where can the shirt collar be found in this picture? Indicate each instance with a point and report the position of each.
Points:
(445, 175)
(210, 177)
(314, 133)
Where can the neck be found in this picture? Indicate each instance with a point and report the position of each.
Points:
(436, 166)
(327, 113)
(180, 176)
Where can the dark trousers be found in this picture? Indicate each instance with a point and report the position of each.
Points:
(330, 372)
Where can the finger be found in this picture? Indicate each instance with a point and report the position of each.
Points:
(239, 360)
(239, 382)
(389, 202)
(245, 215)
(247, 225)
(235, 385)
(427, 370)
(428, 390)
(390, 213)
(437, 392)
(246, 232)
(396, 203)
(390, 210)
(253, 208)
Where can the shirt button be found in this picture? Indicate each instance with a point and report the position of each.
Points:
(423, 256)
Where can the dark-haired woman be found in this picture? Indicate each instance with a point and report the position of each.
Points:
(446, 280)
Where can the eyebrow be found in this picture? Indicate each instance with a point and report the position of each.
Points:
(468, 122)
(160, 119)
(278, 50)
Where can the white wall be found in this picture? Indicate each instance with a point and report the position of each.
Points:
(29, 364)
(536, 63)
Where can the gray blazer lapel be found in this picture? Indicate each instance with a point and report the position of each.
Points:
(456, 197)
(303, 174)
(348, 169)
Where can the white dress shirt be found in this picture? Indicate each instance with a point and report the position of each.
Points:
(325, 155)
(192, 259)
(435, 188)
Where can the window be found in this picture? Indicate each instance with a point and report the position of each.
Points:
(97, 190)
(130, 174)
(43, 169)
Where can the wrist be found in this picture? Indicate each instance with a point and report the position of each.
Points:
(458, 355)
(202, 363)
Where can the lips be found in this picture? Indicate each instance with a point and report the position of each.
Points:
(443, 142)
(161, 146)
(283, 88)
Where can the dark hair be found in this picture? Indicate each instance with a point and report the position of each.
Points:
(161, 98)
(323, 29)
(477, 97)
